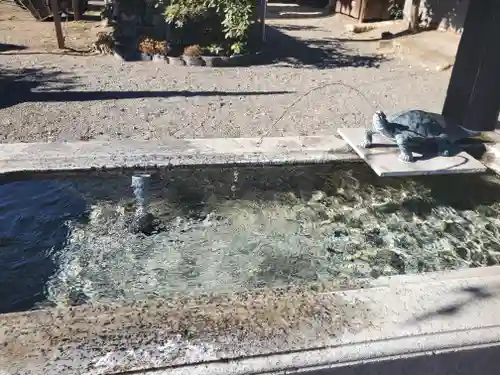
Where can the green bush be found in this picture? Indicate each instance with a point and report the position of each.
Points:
(237, 17)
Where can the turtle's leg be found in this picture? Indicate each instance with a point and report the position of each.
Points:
(405, 154)
(368, 139)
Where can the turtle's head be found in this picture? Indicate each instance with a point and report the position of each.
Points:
(380, 121)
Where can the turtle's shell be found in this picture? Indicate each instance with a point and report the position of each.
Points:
(422, 123)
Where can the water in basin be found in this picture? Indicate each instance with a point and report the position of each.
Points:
(66, 240)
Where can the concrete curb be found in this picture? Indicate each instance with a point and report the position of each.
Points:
(84, 156)
(394, 319)
(43, 157)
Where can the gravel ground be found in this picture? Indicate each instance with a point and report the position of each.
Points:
(61, 97)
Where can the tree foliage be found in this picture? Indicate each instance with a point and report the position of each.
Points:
(236, 16)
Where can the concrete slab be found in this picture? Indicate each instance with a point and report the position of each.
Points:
(43, 157)
(290, 330)
(433, 50)
(383, 158)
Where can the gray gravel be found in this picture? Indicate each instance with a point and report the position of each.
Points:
(101, 98)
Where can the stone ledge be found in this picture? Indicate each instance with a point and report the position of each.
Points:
(295, 328)
(42, 157)
(26, 158)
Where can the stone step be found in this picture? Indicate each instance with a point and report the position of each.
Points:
(428, 57)
(383, 158)
(433, 50)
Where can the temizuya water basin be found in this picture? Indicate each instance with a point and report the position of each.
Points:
(67, 240)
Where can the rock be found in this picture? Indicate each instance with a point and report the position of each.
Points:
(369, 26)
(337, 233)
(317, 196)
(463, 253)
(359, 28)
(478, 258)
(77, 298)
(362, 269)
(386, 35)
(146, 224)
(375, 273)
(373, 236)
(389, 271)
(442, 67)
(492, 258)
(332, 242)
(397, 262)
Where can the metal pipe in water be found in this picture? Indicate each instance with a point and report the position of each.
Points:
(143, 221)
(140, 184)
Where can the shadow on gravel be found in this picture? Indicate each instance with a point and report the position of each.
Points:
(16, 85)
(37, 85)
(81, 96)
(284, 50)
(4, 47)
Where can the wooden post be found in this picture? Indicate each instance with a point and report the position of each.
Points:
(54, 4)
(414, 15)
(76, 9)
(263, 12)
(473, 97)
(362, 11)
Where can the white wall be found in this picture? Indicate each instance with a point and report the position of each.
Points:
(446, 14)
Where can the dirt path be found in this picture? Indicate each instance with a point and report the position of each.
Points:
(19, 28)
(49, 97)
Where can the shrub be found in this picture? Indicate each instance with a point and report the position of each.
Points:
(193, 51)
(237, 17)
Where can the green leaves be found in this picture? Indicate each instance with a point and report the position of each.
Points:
(179, 11)
(215, 49)
(237, 48)
(237, 20)
(237, 17)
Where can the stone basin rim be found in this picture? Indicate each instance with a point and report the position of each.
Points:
(394, 331)
(83, 156)
(384, 296)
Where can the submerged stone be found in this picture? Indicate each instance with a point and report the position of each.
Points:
(492, 258)
(146, 224)
(463, 252)
(77, 298)
(397, 262)
(373, 236)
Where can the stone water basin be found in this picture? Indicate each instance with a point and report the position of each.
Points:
(64, 238)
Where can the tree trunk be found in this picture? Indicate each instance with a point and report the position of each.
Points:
(76, 9)
(473, 98)
(414, 15)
